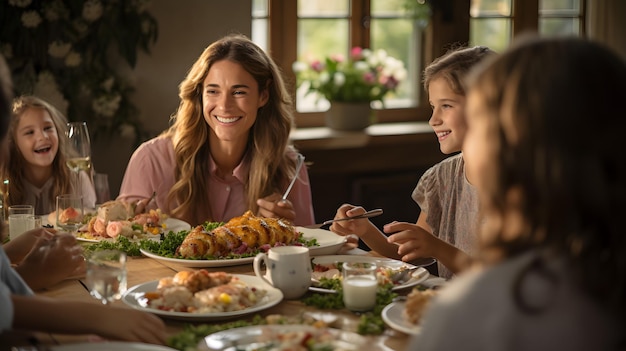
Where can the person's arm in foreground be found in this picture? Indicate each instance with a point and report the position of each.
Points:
(118, 323)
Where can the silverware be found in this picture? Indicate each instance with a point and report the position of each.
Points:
(368, 214)
(403, 274)
(299, 163)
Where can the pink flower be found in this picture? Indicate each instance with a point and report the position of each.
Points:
(356, 53)
(317, 66)
(337, 58)
(389, 82)
(369, 77)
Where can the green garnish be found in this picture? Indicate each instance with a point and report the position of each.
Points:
(121, 243)
(371, 323)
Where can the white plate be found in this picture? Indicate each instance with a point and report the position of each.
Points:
(255, 337)
(393, 315)
(328, 241)
(418, 276)
(134, 297)
(110, 346)
(171, 224)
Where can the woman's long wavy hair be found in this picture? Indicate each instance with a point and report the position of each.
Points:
(268, 143)
(557, 126)
(15, 165)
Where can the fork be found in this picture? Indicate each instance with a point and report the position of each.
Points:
(299, 163)
(368, 214)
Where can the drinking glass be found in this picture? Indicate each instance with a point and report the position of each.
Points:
(18, 219)
(106, 275)
(359, 285)
(79, 151)
(70, 212)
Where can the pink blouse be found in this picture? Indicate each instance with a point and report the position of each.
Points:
(151, 169)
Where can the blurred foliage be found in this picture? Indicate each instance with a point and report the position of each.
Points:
(77, 54)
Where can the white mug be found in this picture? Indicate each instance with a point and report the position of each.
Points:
(288, 268)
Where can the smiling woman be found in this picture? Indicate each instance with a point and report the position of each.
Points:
(228, 150)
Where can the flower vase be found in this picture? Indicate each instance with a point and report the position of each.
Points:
(349, 115)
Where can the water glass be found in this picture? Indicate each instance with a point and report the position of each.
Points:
(106, 275)
(359, 285)
(70, 212)
(18, 219)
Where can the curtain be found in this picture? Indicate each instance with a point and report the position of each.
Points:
(606, 23)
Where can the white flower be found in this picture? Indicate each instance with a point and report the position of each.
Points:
(31, 19)
(106, 105)
(299, 66)
(46, 88)
(59, 49)
(324, 77)
(73, 59)
(394, 67)
(361, 66)
(20, 3)
(339, 79)
(92, 10)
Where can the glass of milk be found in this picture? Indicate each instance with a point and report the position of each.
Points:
(19, 220)
(359, 285)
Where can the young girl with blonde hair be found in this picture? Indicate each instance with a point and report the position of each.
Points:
(36, 167)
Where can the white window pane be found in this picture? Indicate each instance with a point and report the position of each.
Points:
(259, 32)
(323, 8)
(492, 32)
(559, 26)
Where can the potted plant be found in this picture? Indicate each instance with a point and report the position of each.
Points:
(351, 84)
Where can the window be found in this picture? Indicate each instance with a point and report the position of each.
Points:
(310, 29)
(495, 22)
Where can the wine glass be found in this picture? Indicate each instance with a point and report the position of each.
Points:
(70, 212)
(106, 275)
(79, 151)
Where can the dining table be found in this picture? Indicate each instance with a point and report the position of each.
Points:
(144, 269)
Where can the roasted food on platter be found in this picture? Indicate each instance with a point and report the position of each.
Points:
(416, 302)
(115, 218)
(203, 292)
(238, 236)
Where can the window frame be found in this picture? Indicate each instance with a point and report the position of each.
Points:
(283, 24)
(449, 26)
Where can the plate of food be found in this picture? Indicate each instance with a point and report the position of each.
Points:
(393, 316)
(327, 272)
(240, 239)
(110, 346)
(203, 296)
(404, 315)
(282, 337)
(117, 218)
(139, 232)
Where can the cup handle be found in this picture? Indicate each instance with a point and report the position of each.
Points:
(256, 264)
